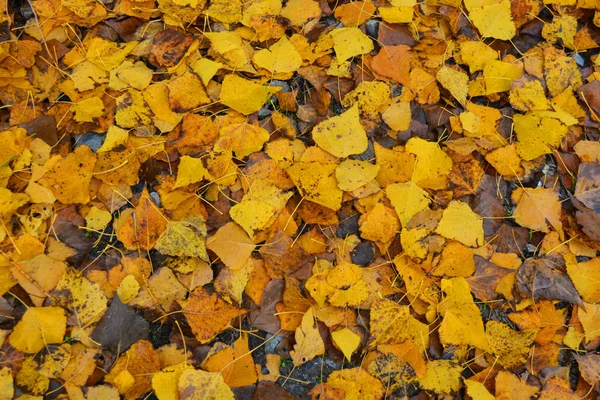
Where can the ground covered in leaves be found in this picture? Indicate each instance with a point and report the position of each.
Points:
(291, 199)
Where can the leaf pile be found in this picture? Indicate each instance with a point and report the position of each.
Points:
(217, 199)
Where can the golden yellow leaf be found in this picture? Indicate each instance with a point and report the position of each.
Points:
(107, 54)
(70, 178)
(379, 225)
(309, 343)
(499, 75)
(398, 116)
(7, 390)
(353, 174)
(243, 139)
(346, 340)
(477, 390)
(540, 132)
(342, 135)
(393, 323)
(461, 323)
(76, 293)
(165, 382)
(350, 42)
(184, 238)
(160, 290)
(493, 19)
(357, 384)
(202, 385)
(443, 377)
(88, 109)
(586, 278)
(537, 209)
(190, 170)
(243, 95)
(408, 199)
(476, 54)
(232, 245)
(510, 347)
(317, 183)
(461, 223)
(455, 82)
(432, 164)
(187, 92)
(456, 260)
(129, 74)
(280, 58)
(302, 13)
(39, 327)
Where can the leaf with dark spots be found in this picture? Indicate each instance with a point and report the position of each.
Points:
(120, 327)
(363, 254)
(543, 279)
(587, 189)
(169, 47)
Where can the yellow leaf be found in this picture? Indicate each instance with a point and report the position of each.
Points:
(346, 340)
(494, 19)
(86, 299)
(350, 42)
(187, 92)
(506, 161)
(443, 377)
(7, 390)
(408, 199)
(393, 323)
(309, 343)
(530, 97)
(317, 183)
(477, 390)
(356, 384)
(510, 347)
(379, 225)
(342, 285)
(586, 278)
(206, 69)
(107, 54)
(462, 323)
(456, 260)
(132, 110)
(160, 290)
(372, 98)
(353, 174)
(231, 283)
(165, 382)
(432, 166)
(70, 178)
(476, 54)
(398, 116)
(128, 289)
(243, 95)
(540, 132)
(190, 170)
(342, 135)
(460, 223)
(243, 139)
(413, 242)
(302, 13)
(88, 109)
(38, 327)
(537, 208)
(128, 74)
(498, 76)
(259, 207)
(115, 137)
(97, 219)
(202, 385)
(456, 82)
(232, 245)
(281, 57)
(227, 12)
